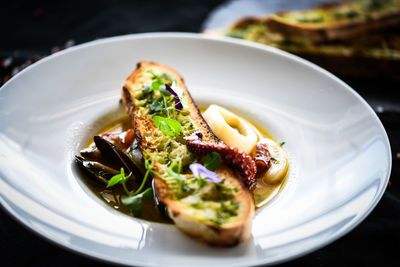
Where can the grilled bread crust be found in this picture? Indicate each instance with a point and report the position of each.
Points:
(227, 234)
(337, 30)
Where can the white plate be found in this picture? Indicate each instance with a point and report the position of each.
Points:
(339, 152)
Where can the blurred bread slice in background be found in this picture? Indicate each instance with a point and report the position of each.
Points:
(352, 39)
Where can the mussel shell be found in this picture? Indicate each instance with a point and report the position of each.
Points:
(91, 153)
(101, 172)
(136, 155)
(115, 155)
(161, 206)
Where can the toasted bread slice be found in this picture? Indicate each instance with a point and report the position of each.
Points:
(337, 21)
(374, 55)
(216, 213)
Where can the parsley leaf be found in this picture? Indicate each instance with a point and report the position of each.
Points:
(273, 160)
(168, 126)
(212, 161)
(282, 143)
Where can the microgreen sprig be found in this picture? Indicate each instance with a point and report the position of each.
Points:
(120, 179)
(149, 167)
(134, 200)
(158, 78)
(161, 104)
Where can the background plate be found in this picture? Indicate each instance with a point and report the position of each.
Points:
(339, 152)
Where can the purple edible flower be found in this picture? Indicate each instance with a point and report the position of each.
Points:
(199, 170)
(178, 104)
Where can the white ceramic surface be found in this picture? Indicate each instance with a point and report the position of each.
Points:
(339, 152)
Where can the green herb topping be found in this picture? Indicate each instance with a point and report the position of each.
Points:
(167, 126)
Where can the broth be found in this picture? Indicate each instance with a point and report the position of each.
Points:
(262, 192)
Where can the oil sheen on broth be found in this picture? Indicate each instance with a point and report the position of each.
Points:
(262, 192)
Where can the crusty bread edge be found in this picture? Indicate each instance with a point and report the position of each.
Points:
(226, 235)
(335, 31)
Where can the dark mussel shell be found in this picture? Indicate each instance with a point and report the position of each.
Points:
(161, 206)
(101, 172)
(91, 153)
(116, 156)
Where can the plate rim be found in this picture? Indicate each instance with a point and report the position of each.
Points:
(197, 36)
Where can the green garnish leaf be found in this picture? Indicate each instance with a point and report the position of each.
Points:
(168, 126)
(273, 160)
(156, 85)
(212, 161)
(134, 203)
(148, 193)
(118, 178)
(282, 143)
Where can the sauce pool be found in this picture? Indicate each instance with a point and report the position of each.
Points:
(262, 192)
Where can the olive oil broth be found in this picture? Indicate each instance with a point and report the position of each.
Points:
(112, 196)
(262, 192)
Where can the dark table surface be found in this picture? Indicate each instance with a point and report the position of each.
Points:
(33, 29)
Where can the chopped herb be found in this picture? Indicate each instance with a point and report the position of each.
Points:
(273, 160)
(282, 143)
(212, 161)
(168, 126)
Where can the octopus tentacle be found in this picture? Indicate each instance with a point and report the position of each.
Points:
(231, 155)
(262, 159)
